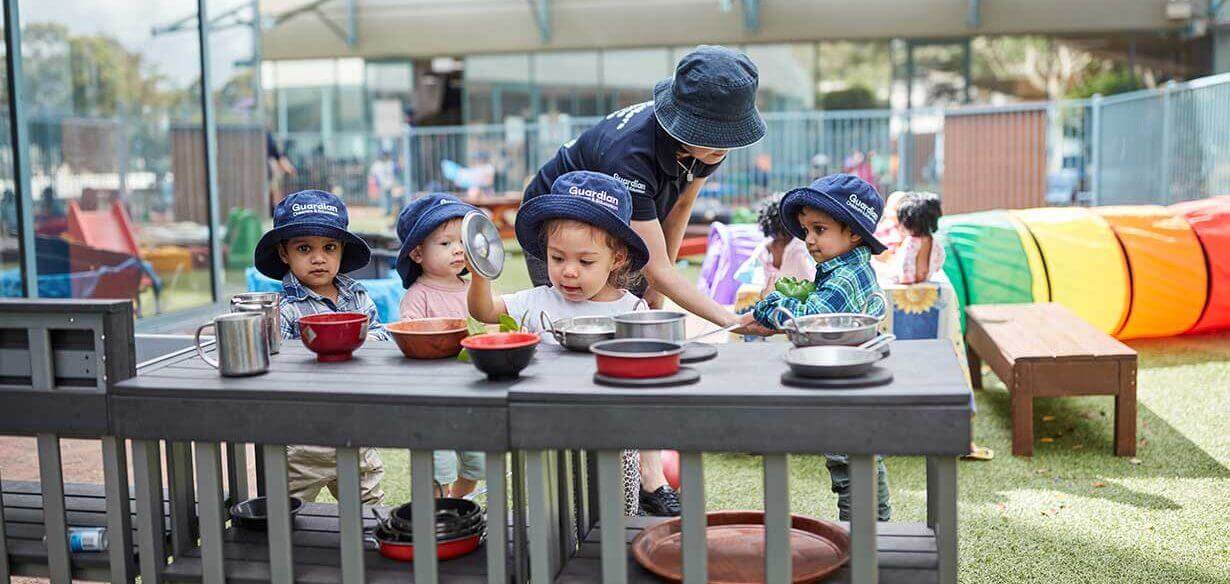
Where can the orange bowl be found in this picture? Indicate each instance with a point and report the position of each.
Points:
(429, 338)
(333, 336)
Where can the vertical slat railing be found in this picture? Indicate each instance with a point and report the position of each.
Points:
(6, 572)
(236, 472)
(611, 495)
(863, 508)
(692, 487)
(942, 476)
(119, 518)
(183, 497)
(497, 519)
(209, 484)
(51, 479)
(777, 519)
(538, 488)
(281, 552)
(423, 513)
(151, 534)
(350, 515)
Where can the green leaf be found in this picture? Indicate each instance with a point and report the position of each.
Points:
(474, 327)
(508, 324)
(463, 356)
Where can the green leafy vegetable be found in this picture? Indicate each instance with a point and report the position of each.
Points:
(508, 324)
(474, 327)
(796, 288)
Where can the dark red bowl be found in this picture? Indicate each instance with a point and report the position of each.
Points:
(637, 358)
(333, 336)
(501, 355)
(445, 549)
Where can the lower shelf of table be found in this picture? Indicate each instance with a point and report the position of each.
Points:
(907, 554)
(317, 557)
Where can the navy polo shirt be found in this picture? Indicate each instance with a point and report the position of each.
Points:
(631, 146)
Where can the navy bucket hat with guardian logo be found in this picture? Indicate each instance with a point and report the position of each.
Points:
(416, 222)
(711, 100)
(309, 213)
(589, 197)
(844, 197)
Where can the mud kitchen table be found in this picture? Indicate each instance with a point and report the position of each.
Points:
(564, 431)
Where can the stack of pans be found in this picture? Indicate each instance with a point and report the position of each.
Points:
(461, 527)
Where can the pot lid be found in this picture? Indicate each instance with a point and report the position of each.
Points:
(481, 239)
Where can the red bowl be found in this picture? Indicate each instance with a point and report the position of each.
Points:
(333, 336)
(445, 549)
(501, 355)
(637, 358)
(428, 338)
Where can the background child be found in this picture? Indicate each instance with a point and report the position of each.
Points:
(431, 262)
(918, 257)
(836, 216)
(307, 249)
(582, 229)
(780, 254)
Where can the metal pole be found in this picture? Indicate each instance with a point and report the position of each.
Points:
(1164, 174)
(1095, 150)
(19, 136)
(216, 274)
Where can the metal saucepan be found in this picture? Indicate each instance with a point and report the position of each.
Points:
(667, 325)
(579, 332)
(839, 328)
(835, 360)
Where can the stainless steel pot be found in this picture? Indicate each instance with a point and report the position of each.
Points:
(578, 333)
(837, 361)
(839, 328)
(268, 304)
(666, 325)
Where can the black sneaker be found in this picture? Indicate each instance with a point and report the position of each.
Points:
(663, 502)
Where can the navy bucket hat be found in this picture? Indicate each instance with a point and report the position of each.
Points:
(589, 197)
(416, 221)
(844, 197)
(711, 100)
(310, 213)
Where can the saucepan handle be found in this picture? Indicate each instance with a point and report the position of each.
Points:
(878, 343)
(789, 318)
(199, 350)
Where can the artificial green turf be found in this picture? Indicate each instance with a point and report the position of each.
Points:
(1071, 513)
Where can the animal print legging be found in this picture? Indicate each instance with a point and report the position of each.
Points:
(631, 460)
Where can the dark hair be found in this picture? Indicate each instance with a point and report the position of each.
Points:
(624, 276)
(769, 217)
(919, 213)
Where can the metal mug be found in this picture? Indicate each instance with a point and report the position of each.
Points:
(241, 345)
(269, 304)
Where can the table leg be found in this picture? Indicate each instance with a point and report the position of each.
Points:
(975, 366)
(1125, 411)
(863, 508)
(183, 497)
(942, 513)
(1022, 406)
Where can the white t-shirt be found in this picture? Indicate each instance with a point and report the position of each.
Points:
(528, 305)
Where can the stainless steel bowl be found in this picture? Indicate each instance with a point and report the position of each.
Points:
(666, 325)
(580, 332)
(836, 361)
(840, 328)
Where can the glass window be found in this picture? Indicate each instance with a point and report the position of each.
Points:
(116, 156)
(10, 236)
(787, 76)
(303, 109)
(854, 75)
(568, 83)
(628, 77)
(497, 86)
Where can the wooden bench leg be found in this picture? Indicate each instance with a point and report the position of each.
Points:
(975, 366)
(1125, 411)
(1022, 407)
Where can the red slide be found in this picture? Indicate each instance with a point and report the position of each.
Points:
(1210, 219)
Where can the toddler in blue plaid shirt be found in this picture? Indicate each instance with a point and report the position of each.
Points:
(310, 249)
(836, 216)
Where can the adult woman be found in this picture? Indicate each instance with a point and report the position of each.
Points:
(662, 151)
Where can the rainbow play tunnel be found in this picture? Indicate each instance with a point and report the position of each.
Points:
(1132, 271)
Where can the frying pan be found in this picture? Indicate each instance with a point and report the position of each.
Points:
(835, 360)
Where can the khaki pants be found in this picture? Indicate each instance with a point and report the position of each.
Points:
(311, 468)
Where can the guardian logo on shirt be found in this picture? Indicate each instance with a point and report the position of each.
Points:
(633, 185)
(862, 207)
(301, 208)
(601, 197)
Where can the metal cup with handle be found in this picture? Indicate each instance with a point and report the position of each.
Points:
(241, 345)
(268, 304)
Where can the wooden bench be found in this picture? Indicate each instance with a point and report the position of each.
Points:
(1044, 350)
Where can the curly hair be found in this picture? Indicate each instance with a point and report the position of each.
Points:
(919, 213)
(769, 217)
(622, 277)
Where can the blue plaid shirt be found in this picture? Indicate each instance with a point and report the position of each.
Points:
(299, 301)
(845, 283)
